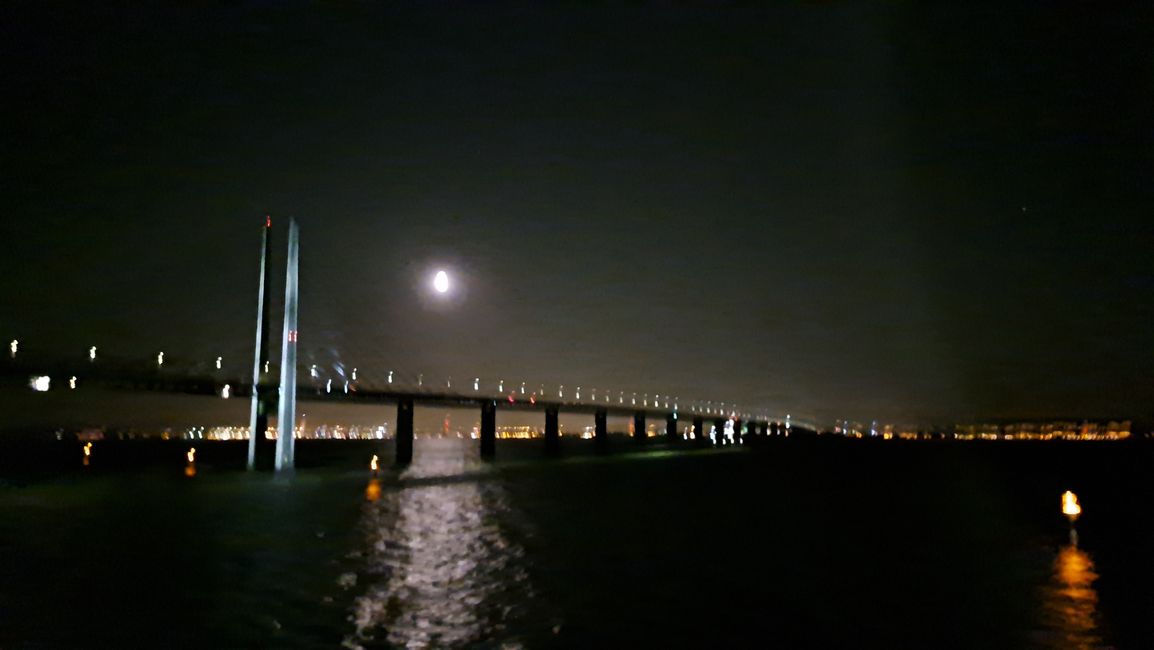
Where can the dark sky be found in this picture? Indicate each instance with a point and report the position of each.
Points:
(887, 210)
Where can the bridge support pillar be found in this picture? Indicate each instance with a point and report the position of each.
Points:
(671, 428)
(286, 416)
(639, 426)
(552, 431)
(719, 431)
(601, 430)
(699, 432)
(404, 434)
(258, 445)
(488, 429)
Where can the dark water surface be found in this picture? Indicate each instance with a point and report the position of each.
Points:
(801, 543)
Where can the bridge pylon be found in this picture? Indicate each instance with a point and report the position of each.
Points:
(258, 415)
(286, 416)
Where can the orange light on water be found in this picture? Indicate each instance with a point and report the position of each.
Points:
(373, 490)
(191, 455)
(190, 470)
(1070, 506)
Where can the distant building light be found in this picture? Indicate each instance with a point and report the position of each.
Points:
(40, 384)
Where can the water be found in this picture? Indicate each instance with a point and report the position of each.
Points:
(440, 565)
(803, 544)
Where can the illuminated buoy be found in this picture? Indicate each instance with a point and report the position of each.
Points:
(190, 468)
(373, 463)
(1070, 506)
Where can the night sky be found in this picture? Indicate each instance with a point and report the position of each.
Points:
(866, 210)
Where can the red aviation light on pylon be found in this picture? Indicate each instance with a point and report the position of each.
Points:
(267, 221)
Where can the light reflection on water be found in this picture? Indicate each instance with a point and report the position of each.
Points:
(444, 572)
(1070, 603)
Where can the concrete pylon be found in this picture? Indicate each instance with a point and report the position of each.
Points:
(601, 430)
(552, 431)
(488, 429)
(258, 415)
(287, 415)
(404, 433)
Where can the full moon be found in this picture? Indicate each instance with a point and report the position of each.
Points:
(441, 282)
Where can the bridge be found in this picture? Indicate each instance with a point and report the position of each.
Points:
(374, 386)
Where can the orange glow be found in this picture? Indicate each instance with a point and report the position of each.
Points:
(87, 450)
(190, 470)
(373, 490)
(191, 455)
(1070, 506)
(1070, 602)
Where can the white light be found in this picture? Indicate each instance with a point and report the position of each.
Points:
(313, 371)
(13, 346)
(226, 392)
(354, 374)
(476, 383)
(329, 386)
(522, 388)
(40, 384)
(266, 366)
(441, 282)
(160, 359)
(72, 382)
(390, 376)
(92, 353)
(218, 360)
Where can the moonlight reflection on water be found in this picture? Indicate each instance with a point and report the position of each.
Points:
(443, 571)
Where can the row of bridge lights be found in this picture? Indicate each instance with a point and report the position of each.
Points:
(314, 372)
